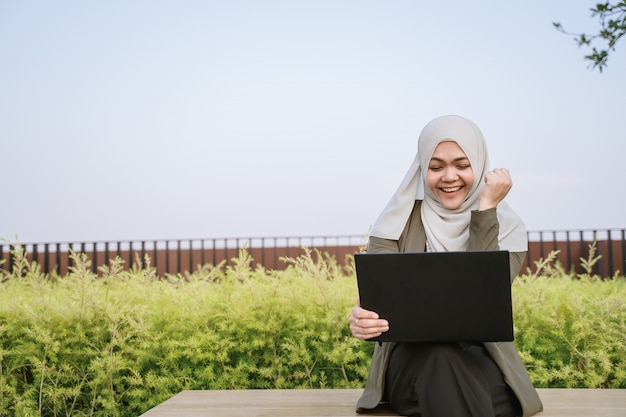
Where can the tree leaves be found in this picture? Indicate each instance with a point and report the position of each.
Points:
(612, 20)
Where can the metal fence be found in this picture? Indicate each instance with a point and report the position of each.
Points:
(180, 255)
(578, 246)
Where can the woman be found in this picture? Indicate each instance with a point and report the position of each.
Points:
(448, 201)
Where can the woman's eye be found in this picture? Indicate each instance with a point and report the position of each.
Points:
(464, 166)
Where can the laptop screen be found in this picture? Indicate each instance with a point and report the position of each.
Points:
(438, 296)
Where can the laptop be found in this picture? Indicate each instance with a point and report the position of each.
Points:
(438, 296)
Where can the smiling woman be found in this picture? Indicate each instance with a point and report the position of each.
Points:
(448, 201)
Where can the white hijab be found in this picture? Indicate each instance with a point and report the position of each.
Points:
(447, 230)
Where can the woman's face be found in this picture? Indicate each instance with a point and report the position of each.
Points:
(450, 175)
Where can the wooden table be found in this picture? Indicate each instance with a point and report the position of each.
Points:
(340, 403)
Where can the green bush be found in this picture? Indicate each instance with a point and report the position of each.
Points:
(121, 342)
(571, 330)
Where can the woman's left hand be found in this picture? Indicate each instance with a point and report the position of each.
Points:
(498, 183)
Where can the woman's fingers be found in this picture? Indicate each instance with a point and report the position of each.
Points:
(367, 332)
(365, 324)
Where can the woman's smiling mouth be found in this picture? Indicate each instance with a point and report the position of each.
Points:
(450, 189)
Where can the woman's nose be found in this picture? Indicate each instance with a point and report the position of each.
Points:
(449, 174)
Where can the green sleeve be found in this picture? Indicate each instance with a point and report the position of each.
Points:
(484, 228)
(380, 245)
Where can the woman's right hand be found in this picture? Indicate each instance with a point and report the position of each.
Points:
(498, 183)
(365, 324)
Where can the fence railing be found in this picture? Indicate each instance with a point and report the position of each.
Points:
(180, 255)
(574, 248)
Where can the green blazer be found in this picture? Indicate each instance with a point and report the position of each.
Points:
(483, 235)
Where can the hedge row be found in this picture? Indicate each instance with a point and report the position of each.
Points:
(122, 342)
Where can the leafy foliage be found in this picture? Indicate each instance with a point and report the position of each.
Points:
(571, 332)
(612, 19)
(123, 341)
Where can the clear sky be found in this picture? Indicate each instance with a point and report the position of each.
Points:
(207, 119)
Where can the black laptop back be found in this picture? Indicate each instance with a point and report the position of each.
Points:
(438, 296)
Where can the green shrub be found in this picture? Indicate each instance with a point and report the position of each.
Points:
(571, 329)
(123, 341)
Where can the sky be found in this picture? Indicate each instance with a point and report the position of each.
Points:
(131, 120)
